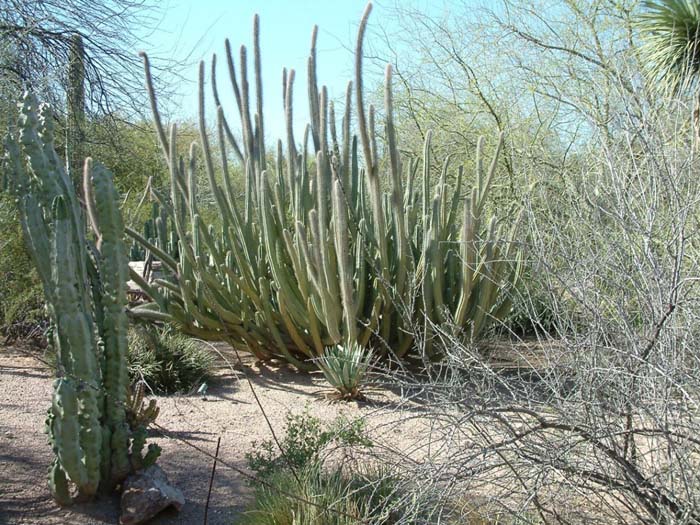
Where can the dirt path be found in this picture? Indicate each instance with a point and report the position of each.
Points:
(229, 411)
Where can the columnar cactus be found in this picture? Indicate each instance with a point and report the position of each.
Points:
(84, 285)
(317, 252)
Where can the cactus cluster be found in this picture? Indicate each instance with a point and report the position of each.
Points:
(84, 282)
(328, 244)
(155, 231)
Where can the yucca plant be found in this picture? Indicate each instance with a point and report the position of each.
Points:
(670, 30)
(346, 367)
(320, 250)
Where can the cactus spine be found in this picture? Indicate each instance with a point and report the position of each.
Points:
(84, 285)
(317, 252)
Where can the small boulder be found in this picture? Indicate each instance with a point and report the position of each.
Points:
(145, 494)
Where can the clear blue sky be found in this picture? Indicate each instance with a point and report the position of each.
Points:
(193, 30)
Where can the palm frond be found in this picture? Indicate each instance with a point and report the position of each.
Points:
(670, 31)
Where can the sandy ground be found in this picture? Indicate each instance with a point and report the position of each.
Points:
(229, 411)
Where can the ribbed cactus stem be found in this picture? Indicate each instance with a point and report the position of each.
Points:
(85, 289)
(76, 338)
(114, 271)
(342, 251)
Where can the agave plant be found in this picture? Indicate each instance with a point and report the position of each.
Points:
(345, 367)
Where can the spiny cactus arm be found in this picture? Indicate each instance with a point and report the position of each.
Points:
(154, 105)
(456, 199)
(114, 270)
(64, 430)
(299, 341)
(361, 271)
(164, 257)
(426, 174)
(314, 112)
(344, 269)
(330, 302)
(320, 229)
(278, 266)
(485, 183)
(289, 125)
(47, 184)
(181, 199)
(347, 142)
(228, 185)
(217, 103)
(361, 115)
(55, 165)
(442, 192)
(232, 76)
(208, 162)
(323, 120)
(246, 121)
(58, 484)
(152, 455)
(138, 442)
(437, 263)
(468, 257)
(274, 331)
(300, 268)
(488, 282)
(38, 241)
(77, 347)
(396, 189)
(258, 89)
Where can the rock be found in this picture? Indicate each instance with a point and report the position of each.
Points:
(145, 494)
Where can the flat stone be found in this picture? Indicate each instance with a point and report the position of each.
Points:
(145, 494)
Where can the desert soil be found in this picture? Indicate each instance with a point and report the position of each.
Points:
(192, 424)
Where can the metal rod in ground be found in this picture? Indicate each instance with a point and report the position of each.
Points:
(211, 480)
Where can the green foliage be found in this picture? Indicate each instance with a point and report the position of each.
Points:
(320, 250)
(304, 441)
(334, 493)
(21, 298)
(345, 367)
(671, 49)
(330, 498)
(84, 285)
(166, 361)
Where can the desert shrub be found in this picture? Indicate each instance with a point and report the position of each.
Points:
(326, 497)
(306, 483)
(600, 423)
(167, 361)
(306, 437)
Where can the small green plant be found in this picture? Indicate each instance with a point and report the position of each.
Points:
(326, 497)
(345, 367)
(166, 361)
(324, 492)
(305, 439)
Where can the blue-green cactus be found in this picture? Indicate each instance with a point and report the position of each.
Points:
(330, 244)
(85, 289)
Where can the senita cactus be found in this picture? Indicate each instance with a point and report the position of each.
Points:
(84, 285)
(318, 252)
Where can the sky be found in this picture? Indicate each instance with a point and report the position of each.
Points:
(193, 30)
